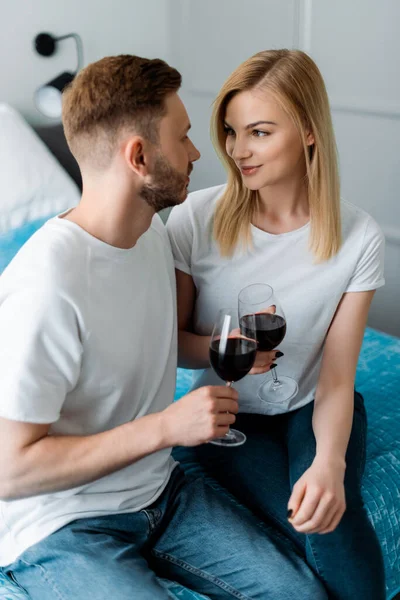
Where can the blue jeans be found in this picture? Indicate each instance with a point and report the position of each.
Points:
(191, 534)
(261, 474)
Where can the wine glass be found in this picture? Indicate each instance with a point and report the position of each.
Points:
(232, 355)
(260, 301)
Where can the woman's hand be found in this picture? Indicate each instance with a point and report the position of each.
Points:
(265, 361)
(318, 498)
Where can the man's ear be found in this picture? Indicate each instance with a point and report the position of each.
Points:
(136, 154)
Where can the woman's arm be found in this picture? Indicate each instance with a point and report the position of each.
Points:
(318, 500)
(334, 399)
(192, 349)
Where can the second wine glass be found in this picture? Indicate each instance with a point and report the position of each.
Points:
(259, 300)
(232, 355)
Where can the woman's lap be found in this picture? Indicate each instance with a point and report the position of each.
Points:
(261, 474)
(256, 473)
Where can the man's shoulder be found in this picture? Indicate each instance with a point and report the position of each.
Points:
(52, 257)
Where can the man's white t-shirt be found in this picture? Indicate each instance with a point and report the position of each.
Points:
(309, 293)
(88, 342)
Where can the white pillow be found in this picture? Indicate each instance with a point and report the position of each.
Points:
(33, 184)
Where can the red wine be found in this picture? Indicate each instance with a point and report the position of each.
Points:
(236, 361)
(270, 330)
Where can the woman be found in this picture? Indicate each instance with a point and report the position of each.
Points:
(279, 220)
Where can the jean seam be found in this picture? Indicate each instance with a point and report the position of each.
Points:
(316, 561)
(200, 573)
(48, 579)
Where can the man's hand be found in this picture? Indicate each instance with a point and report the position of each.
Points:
(200, 416)
(318, 498)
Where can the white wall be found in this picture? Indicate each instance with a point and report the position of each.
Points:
(106, 27)
(356, 45)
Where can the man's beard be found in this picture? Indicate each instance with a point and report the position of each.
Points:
(168, 187)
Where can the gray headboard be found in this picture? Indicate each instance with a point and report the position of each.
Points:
(53, 137)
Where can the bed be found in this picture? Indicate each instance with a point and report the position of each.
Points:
(49, 181)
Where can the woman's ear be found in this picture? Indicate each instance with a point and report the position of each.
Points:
(310, 138)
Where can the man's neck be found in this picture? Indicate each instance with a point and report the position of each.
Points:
(114, 219)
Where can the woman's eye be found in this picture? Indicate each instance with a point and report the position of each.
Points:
(229, 131)
(258, 133)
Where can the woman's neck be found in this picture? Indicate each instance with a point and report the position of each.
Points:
(282, 207)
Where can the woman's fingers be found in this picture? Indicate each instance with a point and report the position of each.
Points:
(296, 499)
(264, 361)
(307, 508)
(334, 522)
(321, 517)
(259, 370)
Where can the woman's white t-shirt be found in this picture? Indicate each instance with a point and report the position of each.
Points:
(309, 293)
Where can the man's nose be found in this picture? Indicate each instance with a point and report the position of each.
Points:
(194, 153)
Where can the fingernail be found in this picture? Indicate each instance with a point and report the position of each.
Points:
(279, 354)
(273, 366)
(289, 513)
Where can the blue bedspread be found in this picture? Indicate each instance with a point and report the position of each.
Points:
(378, 379)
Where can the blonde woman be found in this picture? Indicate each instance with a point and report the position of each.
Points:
(279, 220)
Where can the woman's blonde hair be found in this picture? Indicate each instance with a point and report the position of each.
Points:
(296, 83)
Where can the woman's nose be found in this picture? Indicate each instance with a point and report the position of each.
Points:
(240, 150)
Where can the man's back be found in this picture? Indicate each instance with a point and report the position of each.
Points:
(99, 351)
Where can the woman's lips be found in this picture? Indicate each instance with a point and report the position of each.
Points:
(249, 170)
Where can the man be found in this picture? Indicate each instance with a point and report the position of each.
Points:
(93, 505)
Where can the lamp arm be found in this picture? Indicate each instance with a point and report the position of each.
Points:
(79, 48)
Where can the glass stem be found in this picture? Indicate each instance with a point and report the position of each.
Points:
(276, 384)
(229, 435)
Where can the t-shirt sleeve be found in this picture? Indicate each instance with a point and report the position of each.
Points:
(40, 355)
(180, 231)
(368, 273)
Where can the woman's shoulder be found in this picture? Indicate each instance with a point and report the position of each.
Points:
(204, 200)
(356, 222)
(198, 208)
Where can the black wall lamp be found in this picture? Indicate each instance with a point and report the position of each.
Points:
(48, 96)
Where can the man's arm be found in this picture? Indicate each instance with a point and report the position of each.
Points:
(33, 462)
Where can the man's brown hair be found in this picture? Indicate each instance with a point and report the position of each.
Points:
(115, 94)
